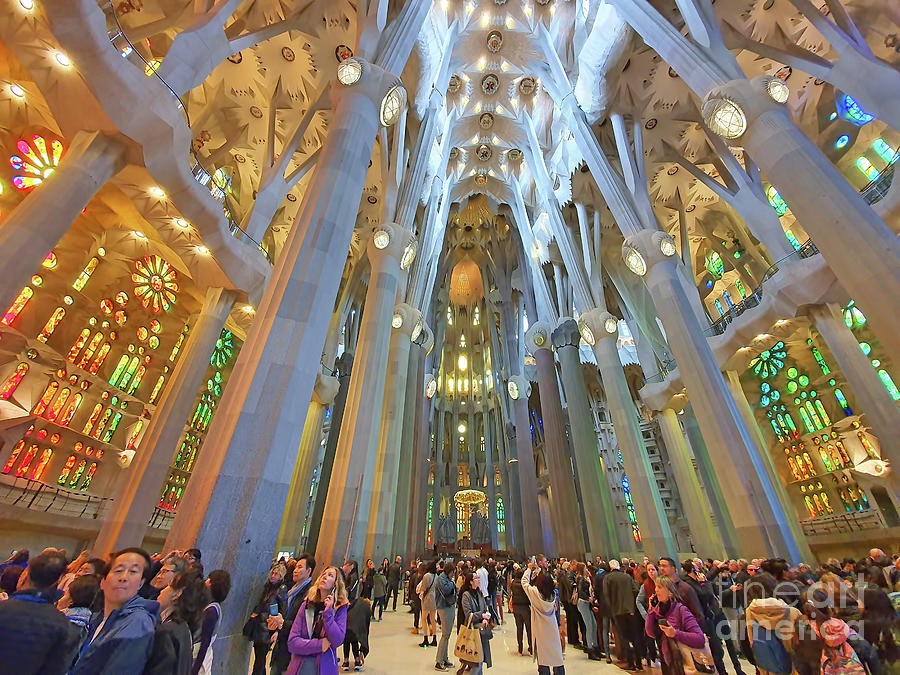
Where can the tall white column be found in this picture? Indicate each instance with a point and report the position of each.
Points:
(521, 465)
(243, 473)
(591, 473)
(696, 509)
(881, 411)
(346, 520)
(761, 525)
(40, 220)
(655, 529)
(126, 523)
(565, 514)
(324, 391)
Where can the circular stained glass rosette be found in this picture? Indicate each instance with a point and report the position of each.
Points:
(155, 283)
(223, 351)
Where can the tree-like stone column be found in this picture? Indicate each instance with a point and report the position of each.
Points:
(522, 470)
(324, 392)
(595, 493)
(565, 513)
(345, 522)
(761, 525)
(40, 220)
(602, 328)
(126, 522)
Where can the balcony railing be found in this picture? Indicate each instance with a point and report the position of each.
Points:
(720, 325)
(201, 174)
(38, 496)
(844, 523)
(878, 188)
(161, 518)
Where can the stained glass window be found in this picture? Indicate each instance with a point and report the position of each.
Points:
(155, 283)
(26, 461)
(728, 300)
(69, 411)
(629, 505)
(157, 389)
(60, 401)
(50, 261)
(17, 306)
(888, 383)
(770, 361)
(35, 161)
(76, 475)
(51, 324)
(90, 349)
(224, 349)
(11, 462)
(720, 308)
(178, 343)
(429, 521)
(41, 466)
(714, 265)
(885, 151)
(13, 381)
(864, 165)
(108, 434)
(501, 515)
(45, 398)
(849, 109)
(85, 274)
(89, 476)
(776, 201)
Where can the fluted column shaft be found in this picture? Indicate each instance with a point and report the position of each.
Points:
(126, 523)
(40, 220)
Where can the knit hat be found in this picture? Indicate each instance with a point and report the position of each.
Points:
(834, 632)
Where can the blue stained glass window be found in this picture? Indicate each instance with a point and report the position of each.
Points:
(728, 300)
(850, 110)
(719, 307)
(866, 167)
(776, 200)
(885, 151)
(841, 141)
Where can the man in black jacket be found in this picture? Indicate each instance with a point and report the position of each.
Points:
(394, 575)
(33, 633)
(302, 576)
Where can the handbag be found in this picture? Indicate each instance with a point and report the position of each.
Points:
(697, 659)
(468, 644)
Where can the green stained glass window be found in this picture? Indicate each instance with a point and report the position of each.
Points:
(791, 387)
(714, 265)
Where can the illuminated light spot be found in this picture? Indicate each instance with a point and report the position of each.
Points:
(842, 141)
(16, 91)
(62, 59)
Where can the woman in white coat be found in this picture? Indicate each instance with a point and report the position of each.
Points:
(544, 627)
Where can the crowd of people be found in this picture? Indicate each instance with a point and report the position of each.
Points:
(136, 613)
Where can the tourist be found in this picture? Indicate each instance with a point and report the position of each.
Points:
(301, 575)
(379, 591)
(520, 606)
(715, 624)
(79, 598)
(394, 578)
(583, 577)
(314, 639)
(16, 558)
(271, 602)
(771, 625)
(671, 621)
(426, 592)
(368, 579)
(476, 614)
(33, 634)
(171, 566)
(192, 556)
(565, 582)
(415, 602)
(646, 578)
(71, 569)
(9, 580)
(445, 601)
(181, 606)
(218, 584)
(359, 617)
(601, 608)
(120, 638)
(540, 589)
(620, 591)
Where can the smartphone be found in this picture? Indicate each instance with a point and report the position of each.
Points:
(273, 609)
(533, 559)
(662, 622)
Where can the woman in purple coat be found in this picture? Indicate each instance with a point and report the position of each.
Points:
(669, 617)
(319, 627)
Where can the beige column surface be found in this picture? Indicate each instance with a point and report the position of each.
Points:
(126, 523)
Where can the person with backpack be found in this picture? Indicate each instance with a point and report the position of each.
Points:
(771, 625)
(716, 627)
(838, 657)
(445, 599)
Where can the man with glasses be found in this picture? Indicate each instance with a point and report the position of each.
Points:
(172, 565)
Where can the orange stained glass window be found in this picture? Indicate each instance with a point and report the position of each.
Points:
(101, 357)
(26, 461)
(102, 423)
(92, 469)
(76, 475)
(134, 434)
(157, 388)
(78, 344)
(66, 470)
(60, 401)
(50, 261)
(17, 306)
(51, 324)
(70, 410)
(13, 381)
(41, 467)
(46, 397)
(95, 413)
(136, 382)
(89, 351)
(86, 273)
(16, 451)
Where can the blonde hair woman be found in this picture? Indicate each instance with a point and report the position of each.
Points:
(668, 616)
(320, 626)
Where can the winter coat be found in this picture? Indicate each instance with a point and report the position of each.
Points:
(395, 571)
(426, 590)
(280, 653)
(173, 650)
(445, 592)
(544, 626)
(303, 647)
(679, 617)
(619, 590)
(359, 619)
(38, 638)
(379, 585)
(775, 615)
(124, 643)
(518, 594)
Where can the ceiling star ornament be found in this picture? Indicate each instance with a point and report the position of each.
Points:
(486, 120)
(155, 283)
(490, 83)
(494, 41)
(514, 155)
(484, 152)
(527, 85)
(481, 178)
(454, 84)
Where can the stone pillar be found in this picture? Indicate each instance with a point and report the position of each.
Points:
(522, 456)
(489, 471)
(416, 415)
(595, 492)
(761, 525)
(387, 489)
(324, 391)
(40, 220)
(602, 329)
(243, 473)
(126, 522)
(439, 467)
(872, 398)
(565, 513)
(350, 495)
(343, 366)
(696, 508)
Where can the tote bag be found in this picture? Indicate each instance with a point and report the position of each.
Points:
(468, 644)
(697, 660)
